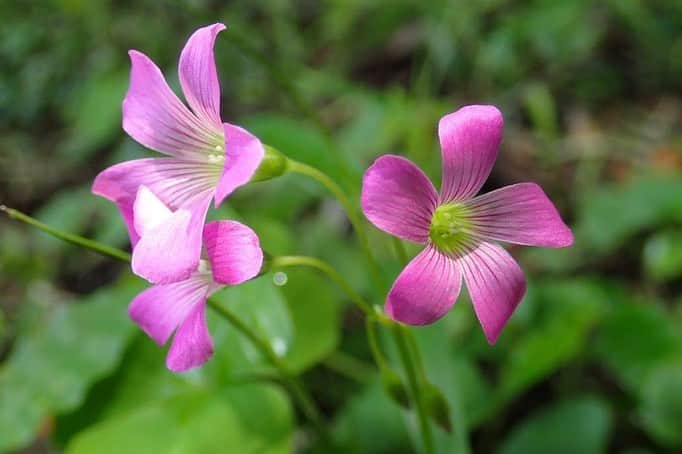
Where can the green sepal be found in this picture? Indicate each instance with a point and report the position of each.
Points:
(274, 164)
(395, 388)
(437, 406)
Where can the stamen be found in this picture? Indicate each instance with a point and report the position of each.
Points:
(451, 230)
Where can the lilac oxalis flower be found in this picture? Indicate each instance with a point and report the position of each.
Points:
(233, 256)
(458, 229)
(207, 158)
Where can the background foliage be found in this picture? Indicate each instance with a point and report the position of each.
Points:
(590, 363)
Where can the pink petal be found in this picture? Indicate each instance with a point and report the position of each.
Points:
(469, 140)
(398, 198)
(162, 308)
(425, 290)
(125, 206)
(148, 211)
(170, 251)
(521, 214)
(198, 75)
(243, 154)
(192, 345)
(157, 119)
(233, 250)
(177, 183)
(496, 285)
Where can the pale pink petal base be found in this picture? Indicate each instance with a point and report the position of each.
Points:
(521, 214)
(243, 154)
(398, 198)
(469, 140)
(496, 286)
(192, 345)
(425, 290)
(160, 309)
(233, 251)
(170, 251)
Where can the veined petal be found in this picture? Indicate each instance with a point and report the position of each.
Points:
(233, 250)
(125, 207)
(177, 183)
(425, 290)
(155, 117)
(160, 309)
(469, 141)
(522, 214)
(243, 154)
(398, 198)
(192, 345)
(198, 74)
(170, 251)
(496, 285)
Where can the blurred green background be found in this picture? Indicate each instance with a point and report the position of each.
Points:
(591, 90)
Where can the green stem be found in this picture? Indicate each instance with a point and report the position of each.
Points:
(286, 261)
(413, 382)
(68, 237)
(379, 358)
(294, 386)
(335, 189)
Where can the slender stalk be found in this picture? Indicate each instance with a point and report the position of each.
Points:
(68, 237)
(335, 189)
(379, 358)
(292, 383)
(312, 262)
(413, 381)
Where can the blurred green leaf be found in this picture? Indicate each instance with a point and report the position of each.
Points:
(577, 425)
(70, 346)
(661, 407)
(254, 418)
(634, 339)
(663, 255)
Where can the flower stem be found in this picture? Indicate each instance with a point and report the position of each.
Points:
(297, 391)
(335, 189)
(68, 237)
(413, 382)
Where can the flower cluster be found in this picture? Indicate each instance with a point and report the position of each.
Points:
(164, 202)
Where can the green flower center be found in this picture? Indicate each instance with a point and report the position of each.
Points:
(451, 229)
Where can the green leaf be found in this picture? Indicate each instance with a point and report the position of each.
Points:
(630, 357)
(314, 311)
(254, 418)
(580, 425)
(663, 255)
(661, 407)
(70, 347)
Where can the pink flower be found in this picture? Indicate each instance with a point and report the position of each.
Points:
(457, 228)
(233, 256)
(207, 159)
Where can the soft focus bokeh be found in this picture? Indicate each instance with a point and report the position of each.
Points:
(591, 92)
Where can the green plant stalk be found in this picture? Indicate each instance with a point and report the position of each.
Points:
(413, 382)
(292, 383)
(335, 189)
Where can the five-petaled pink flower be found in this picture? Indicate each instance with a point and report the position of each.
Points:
(457, 228)
(208, 159)
(233, 256)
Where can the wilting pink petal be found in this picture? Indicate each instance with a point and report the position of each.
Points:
(170, 251)
(148, 211)
(178, 183)
(425, 290)
(522, 214)
(160, 309)
(243, 154)
(398, 198)
(157, 119)
(496, 285)
(469, 140)
(198, 74)
(192, 345)
(233, 251)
